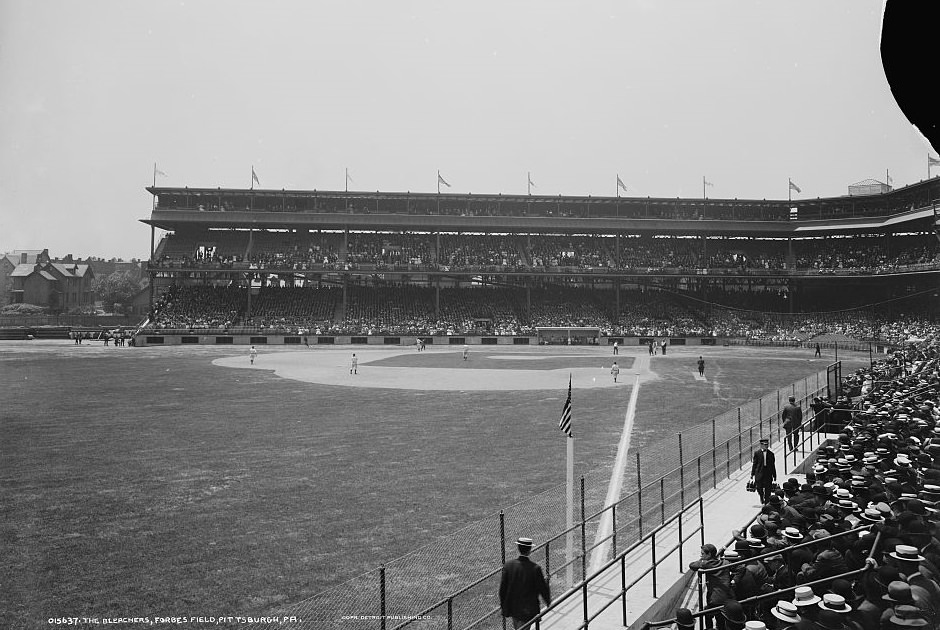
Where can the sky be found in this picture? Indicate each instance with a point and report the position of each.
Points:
(661, 92)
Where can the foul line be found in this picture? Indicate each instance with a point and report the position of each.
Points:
(616, 481)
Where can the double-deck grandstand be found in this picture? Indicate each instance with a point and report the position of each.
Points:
(353, 264)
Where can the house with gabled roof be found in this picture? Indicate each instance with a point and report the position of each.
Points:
(55, 285)
(8, 263)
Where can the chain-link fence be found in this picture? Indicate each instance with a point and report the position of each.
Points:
(454, 582)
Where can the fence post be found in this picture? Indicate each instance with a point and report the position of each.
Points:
(548, 560)
(502, 535)
(740, 431)
(714, 457)
(382, 594)
(584, 604)
(699, 475)
(583, 539)
(639, 492)
(653, 550)
(613, 526)
(681, 541)
(623, 588)
(662, 500)
(701, 518)
(728, 451)
(778, 416)
(681, 475)
(760, 417)
(450, 613)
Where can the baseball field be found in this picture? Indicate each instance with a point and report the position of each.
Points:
(185, 481)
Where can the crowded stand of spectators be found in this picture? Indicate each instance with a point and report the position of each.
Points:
(293, 309)
(388, 250)
(291, 250)
(577, 251)
(484, 250)
(857, 546)
(568, 307)
(189, 308)
(410, 310)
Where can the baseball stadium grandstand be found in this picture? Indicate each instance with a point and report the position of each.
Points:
(390, 269)
(268, 266)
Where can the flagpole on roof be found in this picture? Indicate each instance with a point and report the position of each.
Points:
(789, 189)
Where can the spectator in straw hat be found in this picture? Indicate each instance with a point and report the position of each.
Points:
(904, 617)
(521, 585)
(785, 615)
(899, 594)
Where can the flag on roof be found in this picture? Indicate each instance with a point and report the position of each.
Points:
(157, 171)
(529, 175)
(441, 180)
(254, 177)
(794, 186)
(707, 183)
(620, 184)
(565, 423)
(932, 161)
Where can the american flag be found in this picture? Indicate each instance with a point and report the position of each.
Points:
(565, 423)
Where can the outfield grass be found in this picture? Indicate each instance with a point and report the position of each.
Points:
(146, 481)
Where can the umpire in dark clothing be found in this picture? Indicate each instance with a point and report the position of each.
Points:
(521, 585)
(764, 470)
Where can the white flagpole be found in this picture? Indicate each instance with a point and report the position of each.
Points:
(570, 515)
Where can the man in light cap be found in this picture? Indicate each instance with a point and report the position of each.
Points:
(520, 586)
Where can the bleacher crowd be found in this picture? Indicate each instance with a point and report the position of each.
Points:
(412, 310)
(857, 546)
(433, 252)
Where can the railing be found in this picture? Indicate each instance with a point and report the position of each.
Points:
(704, 613)
(581, 588)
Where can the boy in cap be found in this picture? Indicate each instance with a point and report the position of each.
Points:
(520, 586)
(717, 583)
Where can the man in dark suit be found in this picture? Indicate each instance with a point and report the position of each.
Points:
(763, 470)
(521, 585)
(792, 416)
